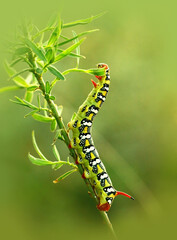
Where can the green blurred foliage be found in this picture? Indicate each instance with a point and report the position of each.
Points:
(135, 132)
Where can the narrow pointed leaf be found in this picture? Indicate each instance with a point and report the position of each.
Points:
(39, 161)
(76, 40)
(22, 50)
(52, 97)
(50, 55)
(9, 88)
(77, 36)
(20, 81)
(26, 103)
(58, 165)
(42, 118)
(52, 21)
(60, 110)
(56, 72)
(71, 54)
(53, 125)
(56, 153)
(39, 101)
(29, 96)
(68, 50)
(82, 21)
(55, 34)
(30, 113)
(35, 49)
(32, 87)
(64, 175)
(15, 62)
(95, 71)
(47, 87)
(73, 116)
(37, 148)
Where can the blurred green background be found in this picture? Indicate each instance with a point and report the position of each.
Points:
(135, 132)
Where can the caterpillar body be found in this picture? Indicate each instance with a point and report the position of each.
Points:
(82, 142)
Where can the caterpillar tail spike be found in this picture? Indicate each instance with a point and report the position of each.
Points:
(124, 194)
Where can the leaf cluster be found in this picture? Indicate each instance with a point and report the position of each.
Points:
(43, 161)
(40, 51)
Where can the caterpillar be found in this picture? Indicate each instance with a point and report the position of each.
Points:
(87, 155)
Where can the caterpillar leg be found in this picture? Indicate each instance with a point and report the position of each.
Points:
(70, 125)
(88, 174)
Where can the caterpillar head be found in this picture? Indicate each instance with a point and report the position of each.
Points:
(105, 66)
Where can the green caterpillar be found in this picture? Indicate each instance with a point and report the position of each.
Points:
(82, 142)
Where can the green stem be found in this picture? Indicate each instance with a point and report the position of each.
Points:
(61, 125)
(109, 224)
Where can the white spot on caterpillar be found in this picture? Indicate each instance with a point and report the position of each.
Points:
(102, 97)
(103, 176)
(89, 124)
(87, 136)
(109, 201)
(89, 149)
(94, 111)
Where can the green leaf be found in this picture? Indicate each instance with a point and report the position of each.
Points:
(52, 21)
(58, 135)
(73, 116)
(50, 55)
(56, 153)
(30, 113)
(35, 49)
(30, 79)
(77, 36)
(97, 71)
(60, 110)
(71, 54)
(39, 101)
(94, 71)
(20, 81)
(55, 34)
(47, 87)
(77, 49)
(53, 125)
(26, 103)
(39, 70)
(22, 51)
(52, 97)
(64, 175)
(58, 165)
(39, 161)
(37, 148)
(15, 62)
(42, 118)
(9, 88)
(68, 50)
(56, 72)
(29, 96)
(82, 21)
(32, 88)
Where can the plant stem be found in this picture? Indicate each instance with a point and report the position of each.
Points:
(109, 224)
(61, 125)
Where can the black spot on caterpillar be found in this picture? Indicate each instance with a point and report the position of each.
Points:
(82, 141)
